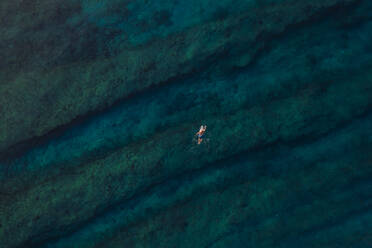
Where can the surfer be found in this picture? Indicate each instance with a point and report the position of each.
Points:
(200, 133)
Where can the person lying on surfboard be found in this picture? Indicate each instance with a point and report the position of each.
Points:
(200, 133)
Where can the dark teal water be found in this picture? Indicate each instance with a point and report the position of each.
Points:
(286, 161)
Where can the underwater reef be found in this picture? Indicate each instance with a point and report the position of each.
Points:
(100, 102)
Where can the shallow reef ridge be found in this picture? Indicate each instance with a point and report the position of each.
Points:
(100, 102)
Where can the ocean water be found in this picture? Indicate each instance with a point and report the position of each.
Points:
(286, 161)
